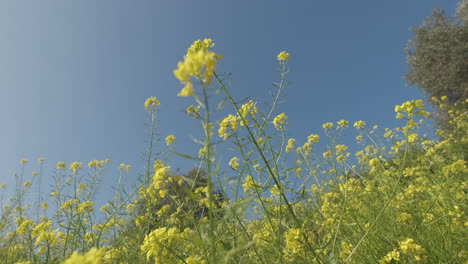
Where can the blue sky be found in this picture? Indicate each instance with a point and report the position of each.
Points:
(74, 74)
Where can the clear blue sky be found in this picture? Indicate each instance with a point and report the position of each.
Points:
(74, 74)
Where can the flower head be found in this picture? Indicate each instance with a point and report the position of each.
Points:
(199, 62)
(61, 165)
(170, 140)
(75, 167)
(327, 125)
(150, 103)
(234, 163)
(283, 56)
(360, 124)
(280, 120)
(290, 145)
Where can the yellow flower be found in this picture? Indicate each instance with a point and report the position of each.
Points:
(290, 145)
(293, 240)
(340, 149)
(195, 260)
(343, 123)
(283, 56)
(75, 167)
(249, 183)
(234, 163)
(313, 138)
(280, 120)
(40, 160)
(188, 90)
(410, 248)
(231, 122)
(193, 111)
(199, 62)
(23, 161)
(61, 165)
(151, 103)
(94, 164)
(246, 110)
(388, 134)
(359, 124)
(170, 140)
(393, 255)
(94, 256)
(327, 125)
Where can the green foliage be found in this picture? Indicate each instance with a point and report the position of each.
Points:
(438, 57)
(403, 200)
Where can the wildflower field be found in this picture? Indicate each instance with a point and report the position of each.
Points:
(400, 197)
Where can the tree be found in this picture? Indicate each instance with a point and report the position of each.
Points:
(438, 57)
(183, 201)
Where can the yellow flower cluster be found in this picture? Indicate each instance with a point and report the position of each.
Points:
(98, 163)
(248, 109)
(124, 167)
(283, 56)
(359, 124)
(75, 167)
(410, 108)
(307, 147)
(327, 125)
(193, 111)
(229, 122)
(199, 62)
(93, 256)
(61, 165)
(280, 120)
(170, 140)
(161, 242)
(249, 184)
(151, 103)
(234, 163)
(290, 145)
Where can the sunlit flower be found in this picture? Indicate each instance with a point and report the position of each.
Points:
(283, 56)
(234, 163)
(170, 140)
(280, 120)
(199, 62)
(229, 122)
(75, 167)
(151, 103)
(359, 124)
(343, 123)
(290, 145)
(61, 165)
(249, 183)
(327, 125)
(193, 111)
(93, 256)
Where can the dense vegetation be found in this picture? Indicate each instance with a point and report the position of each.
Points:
(401, 197)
